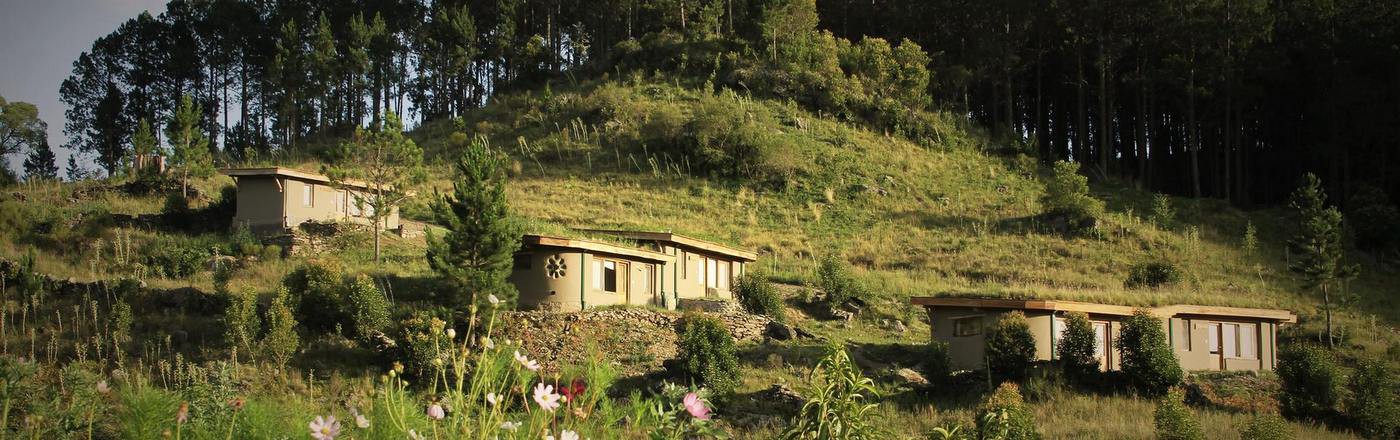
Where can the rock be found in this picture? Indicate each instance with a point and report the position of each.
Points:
(842, 315)
(780, 331)
(382, 342)
(898, 326)
(803, 333)
(909, 377)
(781, 394)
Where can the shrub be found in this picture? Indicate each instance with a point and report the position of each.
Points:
(1153, 274)
(316, 292)
(367, 308)
(270, 252)
(241, 326)
(1010, 346)
(243, 242)
(176, 208)
(758, 296)
(1076, 348)
(1147, 360)
(1067, 193)
(424, 343)
(1250, 243)
(1163, 214)
(173, 258)
(1372, 406)
(281, 340)
(1266, 427)
(706, 353)
(835, 279)
(1003, 415)
(1174, 420)
(839, 403)
(938, 367)
(1309, 383)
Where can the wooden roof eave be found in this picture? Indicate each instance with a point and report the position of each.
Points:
(598, 247)
(682, 240)
(1107, 309)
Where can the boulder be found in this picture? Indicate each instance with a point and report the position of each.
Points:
(781, 395)
(909, 377)
(780, 331)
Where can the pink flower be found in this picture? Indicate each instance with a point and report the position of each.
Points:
(435, 412)
(183, 415)
(324, 428)
(102, 387)
(526, 362)
(546, 398)
(695, 406)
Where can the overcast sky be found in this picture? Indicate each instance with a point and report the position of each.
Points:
(39, 39)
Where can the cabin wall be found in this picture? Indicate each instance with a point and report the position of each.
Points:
(259, 203)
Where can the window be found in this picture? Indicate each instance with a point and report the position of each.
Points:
(649, 274)
(597, 274)
(605, 275)
(522, 261)
(1183, 336)
(1213, 335)
(308, 194)
(1100, 339)
(339, 201)
(711, 278)
(1229, 334)
(969, 326)
(685, 265)
(724, 275)
(1249, 347)
(354, 204)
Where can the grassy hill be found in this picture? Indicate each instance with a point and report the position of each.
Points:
(954, 215)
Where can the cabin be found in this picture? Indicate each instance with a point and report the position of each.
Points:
(662, 270)
(277, 198)
(1204, 338)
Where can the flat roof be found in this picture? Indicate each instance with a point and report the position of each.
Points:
(596, 246)
(709, 246)
(290, 173)
(1104, 309)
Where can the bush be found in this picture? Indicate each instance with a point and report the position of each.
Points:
(706, 353)
(172, 258)
(424, 343)
(1003, 415)
(241, 326)
(1372, 406)
(835, 279)
(1266, 427)
(1076, 348)
(1174, 420)
(1309, 383)
(838, 405)
(1163, 214)
(1010, 346)
(316, 292)
(270, 252)
(243, 242)
(758, 296)
(1153, 274)
(281, 340)
(176, 207)
(938, 367)
(1147, 361)
(1067, 193)
(367, 308)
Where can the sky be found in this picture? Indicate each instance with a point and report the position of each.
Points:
(39, 39)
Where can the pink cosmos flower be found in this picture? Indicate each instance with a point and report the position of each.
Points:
(324, 428)
(526, 362)
(102, 387)
(695, 406)
(435, 412)
(546, 398)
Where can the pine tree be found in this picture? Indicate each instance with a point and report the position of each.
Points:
(74, 171)
(40, 165)
(144, 141)
(388, 161)
(189, 148)
(474, 257)
(1318, 244)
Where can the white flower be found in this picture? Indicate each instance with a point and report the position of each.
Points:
(451, 333)
(564, 435)
(102, 387)
(435, 412)
(486, 342)
(494, 300)
(510, 426)
(494, 399)
(361, 421)
(413, 435)
(526, 362)
(546, 398)
(326, 428)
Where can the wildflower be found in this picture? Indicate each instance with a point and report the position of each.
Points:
(526, 362)
(102, 387)
(564, 435)
(324, 428)
(451, 333)
(183, 415)
(510, 426)
(435, 412)
(493, 299)
(236, 403)
(695, 406)
(574, 390)
(361, 421)
(545, 397)
(494, 399)
(486, 342)
(414, 435)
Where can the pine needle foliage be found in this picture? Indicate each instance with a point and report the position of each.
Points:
(474, 256)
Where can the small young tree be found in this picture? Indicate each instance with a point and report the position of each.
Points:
(241, 325)
(389, 163)
(1309, 383)
(1076, 348)
(1373, 406)
(1147, 359)
(706, 353)
(835, 279)
(1003, 415)
(474, 256)
(368, 309)
(40, 163)
(144, 142)
(1067, 193)
(189, 147)
(1174, 420)
(1163, 214)
(281, 340)
(1010, 346)
(1250, 242)
(1318, 244)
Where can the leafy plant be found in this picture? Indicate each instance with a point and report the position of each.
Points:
(1266, 427)
(1147, 360)
(1004, 415)
(367, 307)
(706, 352)
(1163, 214)
(281, 340)
(1010, 346)
(241, 324)
(1152, 274)
(758, 296)
(835, 280)
(1310, 382)
(1076, 348)
(1067, 193)
(1174, 421)
(1373, 405)
(316, 290)
(839, 403)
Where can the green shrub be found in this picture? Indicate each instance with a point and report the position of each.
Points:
(1003, 415)
(316, 290)
(1163, 214)
(270, 252)
(706, 353)
(1266, 427)
(281, 340)
(367, 307)
(758, 296)
(424, 343)
(1174, 421)
(1067, 193)
(1147, 360)
(1372, 405)
(1010, 346)
(938, 366)
(835, 279)
(176, 208)
(1152, 274)
(243, 242)
(241, 326)
(839, 403)
(1076, 348)
(1309, 383)
(175, 258)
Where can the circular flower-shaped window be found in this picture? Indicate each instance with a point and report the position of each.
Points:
(554, 267)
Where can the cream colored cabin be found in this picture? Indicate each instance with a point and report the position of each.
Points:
(1202, 337)
(698, 269)
(274, 199)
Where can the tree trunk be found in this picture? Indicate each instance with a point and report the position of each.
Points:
(1192, 143)
(1081, 123)
(1327, 308)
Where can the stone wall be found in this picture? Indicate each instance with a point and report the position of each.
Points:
(636, 340)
